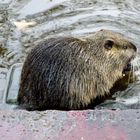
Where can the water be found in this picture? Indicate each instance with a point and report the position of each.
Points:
(24, 23)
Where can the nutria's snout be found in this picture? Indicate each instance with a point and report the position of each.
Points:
(129, 66)
(133, 47)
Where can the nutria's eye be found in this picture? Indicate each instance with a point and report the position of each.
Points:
(125, 47)
(109, 44)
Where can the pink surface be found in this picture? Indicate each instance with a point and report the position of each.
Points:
(72, 125)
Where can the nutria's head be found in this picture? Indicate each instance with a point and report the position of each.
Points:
(112, 53)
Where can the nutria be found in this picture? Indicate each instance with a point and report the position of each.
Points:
(70, 73)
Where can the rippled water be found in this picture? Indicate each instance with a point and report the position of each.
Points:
(24, 23)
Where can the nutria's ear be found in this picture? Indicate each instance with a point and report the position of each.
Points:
(109, 44)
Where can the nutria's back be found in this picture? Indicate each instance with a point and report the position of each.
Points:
(69, 73)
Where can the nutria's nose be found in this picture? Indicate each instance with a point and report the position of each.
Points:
(133, 47)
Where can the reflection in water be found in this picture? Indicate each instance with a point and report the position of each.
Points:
(25, 23)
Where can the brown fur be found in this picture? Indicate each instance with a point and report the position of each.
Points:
(70, 73)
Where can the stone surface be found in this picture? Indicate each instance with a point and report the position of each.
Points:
(71, 125)
(13, 80)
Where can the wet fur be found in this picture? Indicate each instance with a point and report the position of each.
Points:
(70, 73)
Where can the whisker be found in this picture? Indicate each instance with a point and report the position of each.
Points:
(133, 73)
(129, 75)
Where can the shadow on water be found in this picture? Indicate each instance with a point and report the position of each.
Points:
(25, 23)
